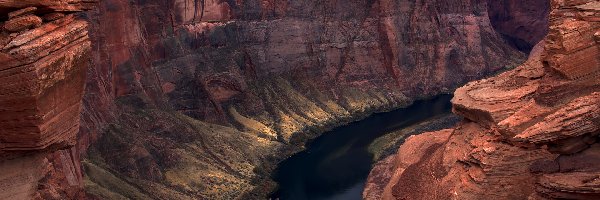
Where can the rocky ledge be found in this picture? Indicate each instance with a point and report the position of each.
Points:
(44, 52)
(531, 132)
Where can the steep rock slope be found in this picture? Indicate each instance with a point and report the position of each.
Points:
(226, 89)
(523, 23)
(531, 132)
(44, 54)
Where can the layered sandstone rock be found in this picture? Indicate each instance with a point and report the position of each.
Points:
(529, 133)
(48, 5)
(42, 70)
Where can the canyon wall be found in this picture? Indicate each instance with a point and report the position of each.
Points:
(200, 99)
(44, 55)
(529, 133)
(522, 23)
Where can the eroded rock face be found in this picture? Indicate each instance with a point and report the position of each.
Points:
(523, 23)
(45, 68)
(226, 48)
(280, 71)
(530, 132)
(42, 71)
(48, 5)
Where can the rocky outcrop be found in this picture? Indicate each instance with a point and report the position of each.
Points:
(45, 68)
(390, 169)
(577, 118)
(44, 56)
(279, 72)
(49, 5)
(530, 132)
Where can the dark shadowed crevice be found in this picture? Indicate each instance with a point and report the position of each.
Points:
(522, 24)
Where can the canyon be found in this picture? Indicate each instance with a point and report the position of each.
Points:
(188, 99)
(205, 104)
(528, 133)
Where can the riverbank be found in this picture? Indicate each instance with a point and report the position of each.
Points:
(341, 159)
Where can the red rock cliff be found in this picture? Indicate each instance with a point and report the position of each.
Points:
(44, 54)
(168, 49)
(530, 132)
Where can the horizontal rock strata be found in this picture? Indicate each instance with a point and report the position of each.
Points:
(44, 55)
(529, 133)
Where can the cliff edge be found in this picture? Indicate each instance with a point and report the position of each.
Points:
(531, 132)
(44, 56)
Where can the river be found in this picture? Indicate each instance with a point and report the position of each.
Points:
(336, 164)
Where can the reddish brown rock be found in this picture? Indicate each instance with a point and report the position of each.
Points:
(579, 117)
(55, 5)
(471, 163)
(227, 48)
(358, 47)
(524, 23)
(391, 169)
(53, 16)
(42, 71)
(574, 185)
(45, 70)
(24, 11)
(273, 73)
(576, 178)
(64, 178)
(21, 176)
(572, 48)
(280, 70)
(531, 132)
(492, 100)
(23, 23)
